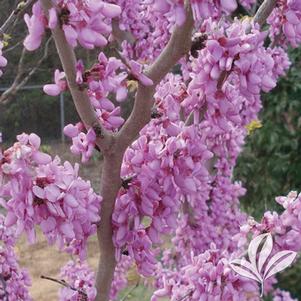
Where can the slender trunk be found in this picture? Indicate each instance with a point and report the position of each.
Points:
(110, 184)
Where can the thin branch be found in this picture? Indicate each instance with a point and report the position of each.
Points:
(18, 81)
(79, 95)
(15, 14)
(178, 45)
(264, 11)
(61, 282)
(65, 284)
(6, 50)
(121, 35)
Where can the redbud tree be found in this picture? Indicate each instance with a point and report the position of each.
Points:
(168, 204)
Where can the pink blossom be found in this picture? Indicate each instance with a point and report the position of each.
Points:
(3, 60)
(59, 86)
(81, 278)
(36, 27)
(65, 206)
(136, 72)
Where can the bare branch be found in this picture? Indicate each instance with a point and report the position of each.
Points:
(6, 50)
(22, 6)
(18, 81)
(178, 45)
(264, 11)
(61, 282)
(65, 284)
(79, 95)
(121, 35)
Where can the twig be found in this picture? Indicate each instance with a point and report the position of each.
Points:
(22, 6)
(129, 292)
(18, 83)
(65, 284)
(264, 11)
(61, 282)
(6, 50)
(121, 35)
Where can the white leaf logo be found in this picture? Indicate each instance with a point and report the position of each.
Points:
(259, 250)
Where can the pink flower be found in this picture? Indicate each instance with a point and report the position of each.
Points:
(36, 27)
(59, 86)
(50, 193)
(137, 73)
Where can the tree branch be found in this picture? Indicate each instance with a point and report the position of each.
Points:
(264, 11)
(121, 35)
(79, 95)
(18, 83)
(178, 45)
(14, 15)
(65, 284)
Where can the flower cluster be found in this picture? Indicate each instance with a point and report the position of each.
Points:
(14, 281)
(201, 9)
(83, 22)
(207, 277)
(86, 22)
(36, 25)
(232, 56)
(177, 177)
(59, 86)
(285, 227)
(285, 22)
(171, 158)
(40, 191)
(80, 280)
(82, 143)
